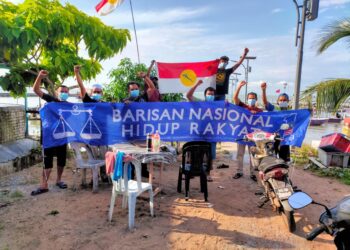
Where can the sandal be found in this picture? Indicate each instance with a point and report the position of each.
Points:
(223, 166)
(209, 179)
(39, 191)
(253, 177)
(61, 185)
(237, 176)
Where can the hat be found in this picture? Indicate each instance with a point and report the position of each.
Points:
(97, 86)
(225, 58)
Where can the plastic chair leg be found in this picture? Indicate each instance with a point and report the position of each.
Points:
(187, 185)
(179, 181)
(111, 205)
(150, 191)
(75, 177)
(95, 179)
(132, 205)
(204, 185)
(124, 201)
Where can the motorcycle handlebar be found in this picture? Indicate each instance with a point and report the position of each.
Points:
(314, 233)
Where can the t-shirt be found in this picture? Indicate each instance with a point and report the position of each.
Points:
(222, 78)
(271, 107)
(134, 99)
(49, 98)
(250, 108)
(87, 98)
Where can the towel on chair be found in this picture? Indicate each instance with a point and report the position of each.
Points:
(118, 167)
(110, 162)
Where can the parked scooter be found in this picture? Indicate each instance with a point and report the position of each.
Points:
(273, 174)
(334, 221)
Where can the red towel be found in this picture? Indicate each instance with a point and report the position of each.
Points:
(110, 161)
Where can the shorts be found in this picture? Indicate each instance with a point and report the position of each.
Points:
(59, 151)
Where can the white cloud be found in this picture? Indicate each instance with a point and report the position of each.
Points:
(332, 3)
(277, 10)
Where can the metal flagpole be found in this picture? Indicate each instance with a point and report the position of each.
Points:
(133, 22)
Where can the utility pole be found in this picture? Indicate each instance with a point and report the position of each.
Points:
(309, 11)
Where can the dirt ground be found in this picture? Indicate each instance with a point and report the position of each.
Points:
(67, 219)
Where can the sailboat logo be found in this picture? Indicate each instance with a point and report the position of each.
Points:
(89, 131)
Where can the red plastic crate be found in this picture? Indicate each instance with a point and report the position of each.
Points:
(335, 143)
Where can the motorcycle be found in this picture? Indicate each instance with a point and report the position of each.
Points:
(273, 175)
(334, 221)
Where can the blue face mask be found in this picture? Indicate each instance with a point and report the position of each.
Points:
(251, 102)
(134, 93)
(64, 96)
(209, 98)
(222, 65)
(96, 97)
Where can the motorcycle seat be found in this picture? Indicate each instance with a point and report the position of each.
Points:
(269, 163)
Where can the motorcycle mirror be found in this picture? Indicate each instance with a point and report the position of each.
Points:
(284, 126)
(299, 200)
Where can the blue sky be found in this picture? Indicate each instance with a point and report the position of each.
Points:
(183, 31)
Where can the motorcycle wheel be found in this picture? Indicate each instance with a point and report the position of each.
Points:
(288, 217)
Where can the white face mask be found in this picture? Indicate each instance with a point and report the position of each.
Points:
(222, 65)
(283, 104)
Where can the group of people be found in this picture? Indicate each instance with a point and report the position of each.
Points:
(151, 94)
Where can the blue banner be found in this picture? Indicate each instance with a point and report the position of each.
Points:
(112, 123)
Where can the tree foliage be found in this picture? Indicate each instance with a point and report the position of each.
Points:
(331, 94)
(334, 32)
(126, 71)
(44, 34)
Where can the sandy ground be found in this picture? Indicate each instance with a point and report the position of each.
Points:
(230, 220)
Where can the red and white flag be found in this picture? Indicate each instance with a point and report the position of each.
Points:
(107, 6)
(180, 77)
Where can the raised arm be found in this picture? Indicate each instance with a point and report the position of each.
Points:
(263, 90)
(147, 80)
(150, 68)
(189, 94)
(236, 100)
(79, 80)
(36, 86)
(234, 67)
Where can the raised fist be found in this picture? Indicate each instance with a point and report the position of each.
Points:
(77, 68)
(263, 85)
(246, 50)
(43, 73)
(242, 83)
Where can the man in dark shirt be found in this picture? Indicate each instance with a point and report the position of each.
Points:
(251, 106)
(223, 75)
(49, 153)
(96, 91)
(134, 93)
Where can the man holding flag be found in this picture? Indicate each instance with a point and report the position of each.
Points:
(223, 75)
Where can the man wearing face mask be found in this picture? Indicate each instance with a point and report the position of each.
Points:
(49, 153)
(282, 104)
(223, 75)
(209, 95)
(251, 106)
(134, 93)
(96, 91)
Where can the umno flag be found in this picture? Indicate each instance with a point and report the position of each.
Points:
(107, 6)
(180, 77)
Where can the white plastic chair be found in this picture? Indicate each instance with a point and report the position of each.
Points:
(130, 189)
(91, 163)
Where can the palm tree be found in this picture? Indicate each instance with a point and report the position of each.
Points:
(331, 94)
(334, 32)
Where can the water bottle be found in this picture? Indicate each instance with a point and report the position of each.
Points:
(149, 142)
(156, 142)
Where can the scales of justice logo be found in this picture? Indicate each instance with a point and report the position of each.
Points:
(90, 130)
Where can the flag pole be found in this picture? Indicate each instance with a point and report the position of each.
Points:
(133, 22)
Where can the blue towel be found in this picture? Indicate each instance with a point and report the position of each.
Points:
(118, 167)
